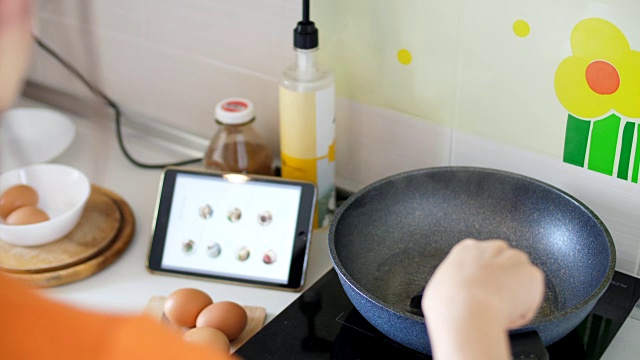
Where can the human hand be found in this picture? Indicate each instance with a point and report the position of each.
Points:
(483, 289)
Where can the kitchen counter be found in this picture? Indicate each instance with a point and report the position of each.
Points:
(125, 286)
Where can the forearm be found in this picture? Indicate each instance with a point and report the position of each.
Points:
(472, 331)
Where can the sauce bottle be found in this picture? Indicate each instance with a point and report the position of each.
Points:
(236, 146)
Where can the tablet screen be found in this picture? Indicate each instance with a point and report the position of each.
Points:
(248, 230)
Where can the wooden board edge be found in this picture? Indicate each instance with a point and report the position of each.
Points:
(100, 261)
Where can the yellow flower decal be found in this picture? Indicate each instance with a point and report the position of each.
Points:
(603, 73)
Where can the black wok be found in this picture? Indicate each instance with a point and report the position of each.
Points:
(387, 239)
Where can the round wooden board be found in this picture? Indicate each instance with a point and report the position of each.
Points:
(76, 272)
(98, 225)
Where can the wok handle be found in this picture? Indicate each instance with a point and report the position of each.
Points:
(528, 345)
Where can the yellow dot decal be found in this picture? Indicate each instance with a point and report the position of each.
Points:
(521, 28)
(404, 56)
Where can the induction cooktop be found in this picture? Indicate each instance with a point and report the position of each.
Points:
(323, 324)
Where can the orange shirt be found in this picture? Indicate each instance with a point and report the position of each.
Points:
(34, 327)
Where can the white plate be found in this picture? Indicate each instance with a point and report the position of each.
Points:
(32, 136)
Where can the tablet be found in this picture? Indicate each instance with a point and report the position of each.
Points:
(242, 228)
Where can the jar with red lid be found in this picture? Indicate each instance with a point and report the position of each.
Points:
(236, 146)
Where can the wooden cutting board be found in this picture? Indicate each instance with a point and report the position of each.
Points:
(98, 225)
(256, 316)
(102, 235)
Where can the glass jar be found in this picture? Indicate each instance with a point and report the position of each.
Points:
(236, 146)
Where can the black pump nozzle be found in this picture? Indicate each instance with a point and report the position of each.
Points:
(305, 35)
(305, 10)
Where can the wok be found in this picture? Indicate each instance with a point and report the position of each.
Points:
(386, 240)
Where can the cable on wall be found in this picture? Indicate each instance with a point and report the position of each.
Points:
(116, 109)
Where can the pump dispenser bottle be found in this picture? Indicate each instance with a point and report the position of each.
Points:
(307, 119)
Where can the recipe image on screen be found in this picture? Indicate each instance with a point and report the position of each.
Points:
(243, 231)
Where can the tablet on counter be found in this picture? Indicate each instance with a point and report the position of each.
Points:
(241, 228)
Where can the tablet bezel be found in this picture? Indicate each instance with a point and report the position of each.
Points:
(302, 233)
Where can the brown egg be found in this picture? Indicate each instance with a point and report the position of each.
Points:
(226, 316)
(183, 306)
(26, 215)
(209, 337)
(15, 197)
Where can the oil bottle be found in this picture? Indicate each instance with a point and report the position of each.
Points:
(307, 119)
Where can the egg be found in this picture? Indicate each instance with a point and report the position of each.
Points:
(26, 215)
(183, 306)
(15, 197)
(226, 316)
(209, 337)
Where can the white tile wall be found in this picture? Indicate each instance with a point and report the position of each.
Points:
(373, 143)
(173, 60)
(246, 40)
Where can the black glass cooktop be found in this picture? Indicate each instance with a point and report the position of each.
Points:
(323, 324)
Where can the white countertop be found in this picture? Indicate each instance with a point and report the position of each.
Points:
(125, 286)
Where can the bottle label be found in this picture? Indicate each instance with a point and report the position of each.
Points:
(307, 144)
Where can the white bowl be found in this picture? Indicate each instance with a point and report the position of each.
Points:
(63, 193)
(33, 136)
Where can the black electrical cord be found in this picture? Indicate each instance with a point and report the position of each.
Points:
(116, 109)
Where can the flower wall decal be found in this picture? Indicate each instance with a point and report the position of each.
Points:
(599, 85)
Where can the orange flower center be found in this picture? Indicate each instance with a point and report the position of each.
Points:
(602, 77)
